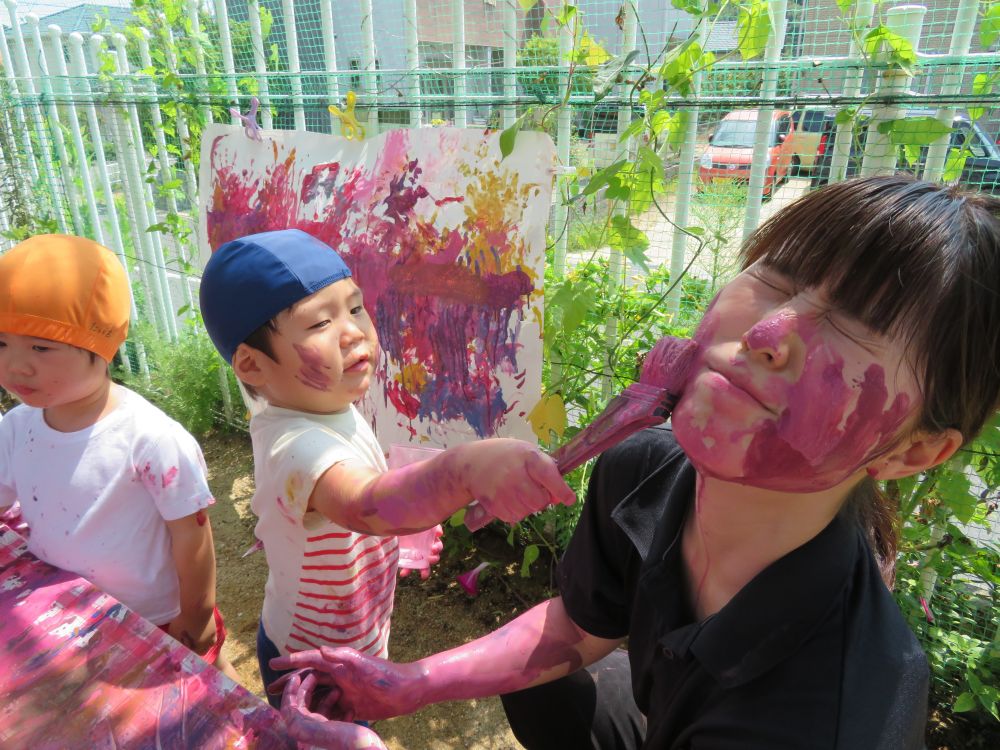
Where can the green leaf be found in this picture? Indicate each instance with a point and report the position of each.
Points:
(610, 73)
(954, 165)
(632, 130)
(696, 231)
(899, 49)
(566, 14)
(526, 5)
(624, 236)
(507, 139)
(575, 303)
(678, 66)
(964, 702)
(603, 177)
(457, 518)
(989, 28)
(956, 492)
(530, 555)
(649, 161)
(845, 116)
(914, 131)
(845, 7)
(753, 29)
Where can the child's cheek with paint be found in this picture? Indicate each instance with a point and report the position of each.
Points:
(313, 372)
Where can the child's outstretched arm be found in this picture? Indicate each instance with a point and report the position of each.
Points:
(194, 558)
(511, 479)
(541, 645)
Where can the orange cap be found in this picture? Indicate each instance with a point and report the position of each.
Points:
(67, 289)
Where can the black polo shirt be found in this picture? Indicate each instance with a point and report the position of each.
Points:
(812, 653)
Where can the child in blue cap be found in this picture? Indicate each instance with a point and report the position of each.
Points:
(282, 308)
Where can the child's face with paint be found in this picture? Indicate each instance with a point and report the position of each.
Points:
(48, 374)
(788, 393)
(326, 349)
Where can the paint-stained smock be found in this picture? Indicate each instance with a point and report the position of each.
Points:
(812, 653)
(97, 500)
(326, 585)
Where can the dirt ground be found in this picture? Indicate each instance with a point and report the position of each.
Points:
(429, 615)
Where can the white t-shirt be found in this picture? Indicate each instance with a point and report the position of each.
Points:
(96, 500)
(326, 585)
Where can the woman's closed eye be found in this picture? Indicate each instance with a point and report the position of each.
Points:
(321, 324)
(775, 282)
(853, 331)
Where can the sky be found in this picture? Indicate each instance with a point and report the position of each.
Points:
(43, 8)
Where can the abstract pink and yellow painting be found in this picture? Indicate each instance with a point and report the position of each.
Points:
(445, 237)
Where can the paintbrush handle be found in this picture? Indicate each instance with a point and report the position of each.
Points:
(637, 407)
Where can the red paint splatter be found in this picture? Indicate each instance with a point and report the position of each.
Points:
(169, 477)
(200, 517)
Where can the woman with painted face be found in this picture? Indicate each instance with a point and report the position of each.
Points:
(746, 553)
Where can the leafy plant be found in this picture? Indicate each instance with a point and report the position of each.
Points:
(185, 378)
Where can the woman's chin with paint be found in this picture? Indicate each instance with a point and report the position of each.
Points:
(782, 399)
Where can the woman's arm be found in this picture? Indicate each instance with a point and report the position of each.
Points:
(541, 645)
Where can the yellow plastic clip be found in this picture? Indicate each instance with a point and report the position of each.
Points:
(349, 125)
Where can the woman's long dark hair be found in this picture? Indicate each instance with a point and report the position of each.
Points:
(912, 260)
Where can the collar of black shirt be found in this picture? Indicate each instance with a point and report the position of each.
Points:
(772, 615)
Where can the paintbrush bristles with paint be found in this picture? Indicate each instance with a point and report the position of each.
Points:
(644, 404)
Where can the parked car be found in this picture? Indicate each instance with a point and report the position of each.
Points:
(981, 169)
(807, 137)
(730, 149)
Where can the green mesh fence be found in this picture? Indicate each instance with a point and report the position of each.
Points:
(740, 106)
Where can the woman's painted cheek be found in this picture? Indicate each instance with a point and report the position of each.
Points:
(313, 370)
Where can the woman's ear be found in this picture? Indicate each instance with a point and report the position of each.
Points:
(920, 452)
(248, 366)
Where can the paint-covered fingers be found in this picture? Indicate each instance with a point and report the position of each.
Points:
(370, 688)
(512, 479)
(419, 551)
(314, 729)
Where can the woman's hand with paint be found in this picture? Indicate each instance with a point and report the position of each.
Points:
(344, 684)
(313, 729)
(511, 479)
(419, 551)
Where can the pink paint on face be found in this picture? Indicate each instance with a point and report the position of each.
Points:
(781, 399)
(313, 371)
(169, 477)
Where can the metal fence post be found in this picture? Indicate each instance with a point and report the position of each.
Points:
(880, 152)
(961, 41)
(863, 12)
(56, 127)
(294, 69)
(330, 57)
(412, 41)
(260, 63)
(510, 63)
(458, 62)
(777, 15)
(21, 55)
(369, 63)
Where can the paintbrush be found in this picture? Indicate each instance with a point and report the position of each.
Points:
(644, 404)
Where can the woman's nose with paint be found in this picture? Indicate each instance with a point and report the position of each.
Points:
(769, 341)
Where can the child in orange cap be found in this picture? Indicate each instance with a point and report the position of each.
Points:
(111, 487)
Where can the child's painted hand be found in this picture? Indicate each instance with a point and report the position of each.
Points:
(345, 685)
(419, 551)
(313, 729)
(512, 479)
